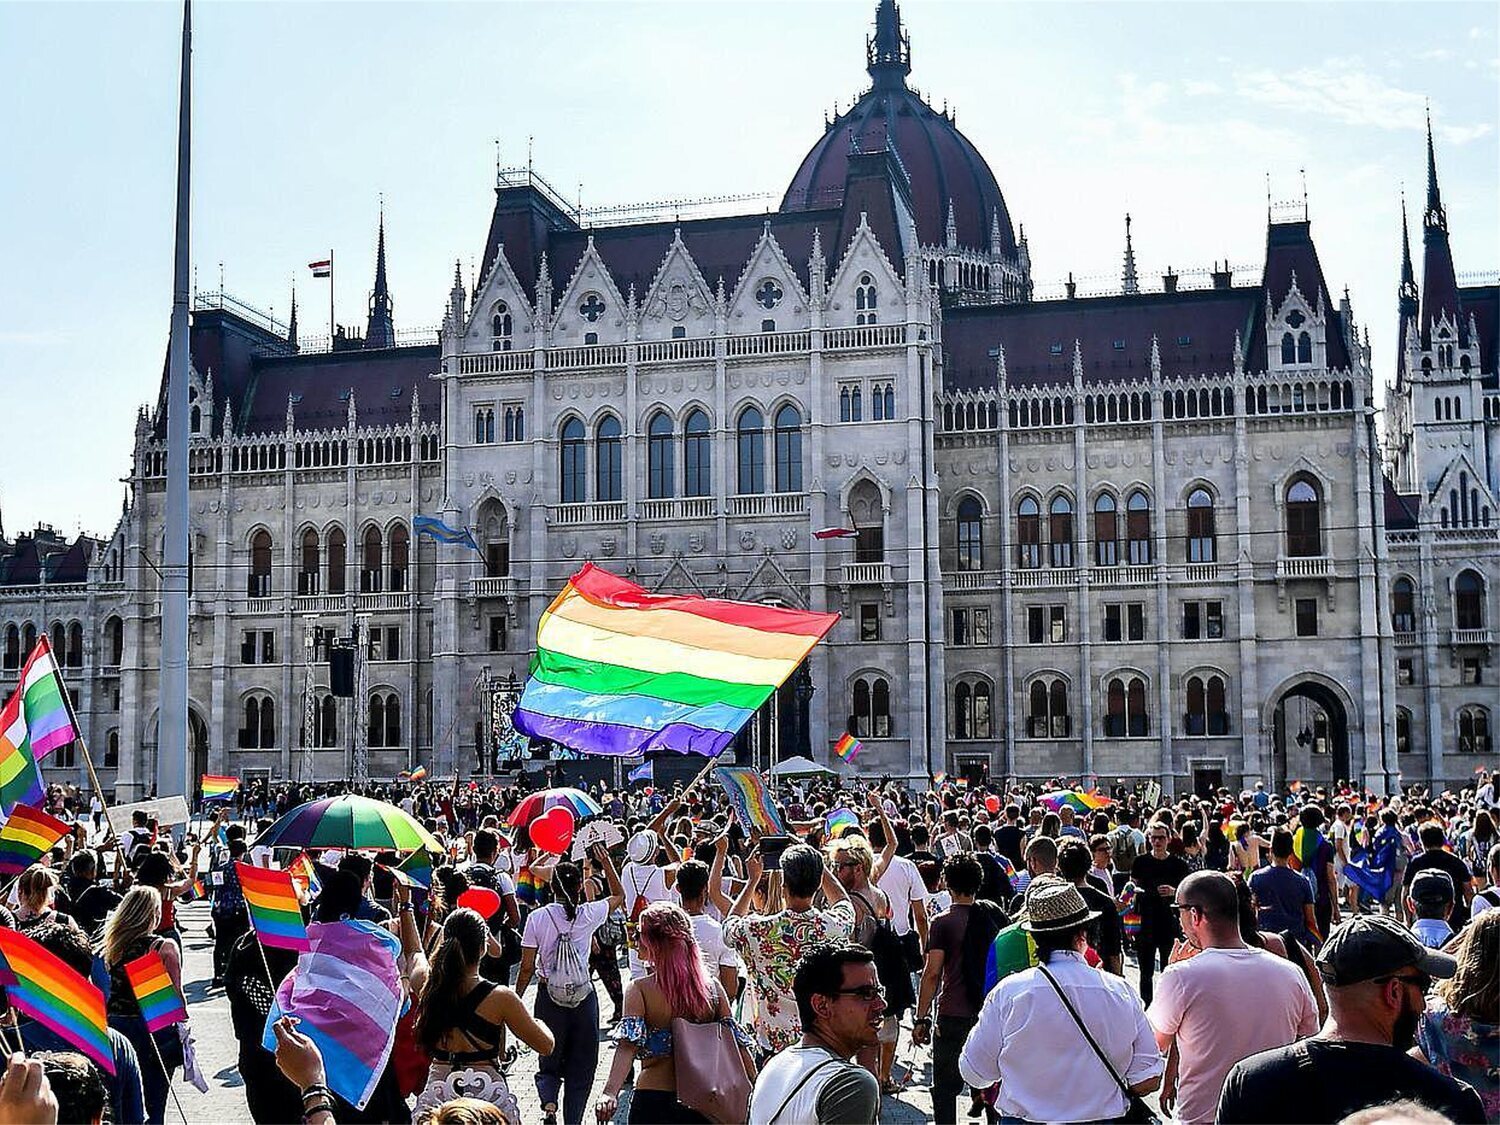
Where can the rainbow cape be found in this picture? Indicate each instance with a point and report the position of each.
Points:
(27, 836)
(847, 747)
(50, 992)
(622, 671)
(274, 909)
(161, 1005)
(748, 796)
(217, 788)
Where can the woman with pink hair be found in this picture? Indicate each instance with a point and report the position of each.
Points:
(679, 986)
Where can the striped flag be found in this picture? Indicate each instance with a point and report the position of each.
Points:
(217, 788)
(42, 985)
(622, 671)
(321, 269)
(274, 910)
(305, 875)
(847, 747)
(752, 804)
(437, 529)
(49, 715)
(646, 771)
(27, 836)
(161, 1003)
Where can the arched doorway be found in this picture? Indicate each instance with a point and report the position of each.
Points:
(1309, 736)
(198, 746)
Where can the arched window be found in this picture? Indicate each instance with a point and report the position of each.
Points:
(890, 402)
(574, 462)
(392, 721)
(1138, 528)
(59, 642)
(1403, 731)
(385, 720)
(1202, 542)
(370, 562)
(864, 300)
(400, 557)
(500, 326)
(1028, 534)
(697, 456)
(856, 404)
(515, 423)
(112, 750)
(375, 721)
(326, 722)
(1114, 708)
(1288, 348)
(844, 404)
(963, 712)
(1473, 730)
(114, 642)
(1125, 708)
(660, 478)
(788, 449)
(1135, 707)
(1196, 719)
(750, 452)
(871, 716)
(75, 645)
(308, 574)
(983, 723)
(260, 565)
(258, 731)
(1304, 348)
(28, 640)
(609, 477)
(336, 560)
(1304, 519)
(1403, 606)
(1218, 706)
(1468, 601)
(970, 538)
(1106, 531)
(1060, 531)
(1047, 711)
(13, 644)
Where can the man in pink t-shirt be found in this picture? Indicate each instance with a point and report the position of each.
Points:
(1224, 1002)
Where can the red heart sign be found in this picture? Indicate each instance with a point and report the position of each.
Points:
(553, 830)
(482, 900)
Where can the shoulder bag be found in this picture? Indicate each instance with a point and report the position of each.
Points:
(1137, 1112)
(711, 1077)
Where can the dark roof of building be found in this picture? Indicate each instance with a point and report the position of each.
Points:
(1400, 508)
(381, 383)
(1483, 302)
(1292, 257)
(44, 555)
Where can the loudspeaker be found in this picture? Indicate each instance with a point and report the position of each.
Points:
(341, 672)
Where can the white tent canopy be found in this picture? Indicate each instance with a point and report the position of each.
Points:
(799, 767)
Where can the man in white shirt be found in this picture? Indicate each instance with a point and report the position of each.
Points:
(718, 958)
(1342, 832)
(1224, 1002)
(644, 883)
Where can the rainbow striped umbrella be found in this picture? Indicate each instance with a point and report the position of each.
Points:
(576, 800)
(348, 821)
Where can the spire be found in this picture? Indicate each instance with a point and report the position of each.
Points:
(951, 231)
(291, 324)
(1408, 289)
(1129, 283)
(380, 330)
(1439, 282)
(1435, 215)
(888, 54)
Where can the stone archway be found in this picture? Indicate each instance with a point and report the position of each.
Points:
(1309, 735)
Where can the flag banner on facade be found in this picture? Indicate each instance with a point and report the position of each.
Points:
(321, 269)
(437, 529)
(346, 994)
(40, 984)
(646, 771)
(27, 836)
(161, 1003)
(619, 670)
(835, 533)
(752, 804)
(847, 747)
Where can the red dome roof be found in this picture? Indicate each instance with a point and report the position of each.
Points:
(943, 165)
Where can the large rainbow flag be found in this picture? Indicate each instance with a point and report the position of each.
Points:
(40, 984)
(34, 722)
(747, 795)
(619, 670)
(27, 836)
(1076, 800)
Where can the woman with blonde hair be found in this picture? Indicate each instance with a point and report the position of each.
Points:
(1459, 1034)
(679, 986)
(130, 932)
(37, 889)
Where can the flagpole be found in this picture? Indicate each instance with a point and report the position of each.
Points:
(166, 1075)
(88, 759)
(330, 300)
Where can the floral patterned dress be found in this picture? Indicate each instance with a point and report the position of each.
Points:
(770, 945)
(1465, 1049)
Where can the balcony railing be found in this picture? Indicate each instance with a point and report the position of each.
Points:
(867, 574)
(971, 579)
(865, 336)
(588, 355)
(1044, 576)
(495, 363)
(768, 343)
(678, 508)
(769, 504)
(670, 351)
(1304, 566)
(385, 601)
(1122, 575)
(270, 604)
(501, 586)
(1406, 639)
(1472, 637)
(1202, 572)
(599, 511)
(321, 603)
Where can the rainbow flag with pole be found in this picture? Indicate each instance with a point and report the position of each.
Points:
(275, 912)
(27, 836)
(611, 672)
(747, 795)
(847, 747)
(40, 984)
(35, 721)
(218, 788)
(161, 1003)
(305, 875)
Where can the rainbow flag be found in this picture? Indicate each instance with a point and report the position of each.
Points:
(20, 780)
(415, 870)
(1305, 844)
(752, 804)
(27, 836)
(528, 887)
(161, 1004)
(216, 788)
(305, 875)
(274, 909)
(840, 821)
(418, 774)
(939, 779)
(49, 715)
(41, 985)
(847, 747)
(622, 671)
(1078, 802)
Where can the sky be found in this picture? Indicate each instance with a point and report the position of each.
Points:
(307, 116)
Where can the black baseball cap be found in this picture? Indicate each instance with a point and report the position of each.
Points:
(1432, 885)
(1375, 945)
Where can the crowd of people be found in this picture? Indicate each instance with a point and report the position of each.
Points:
(1029, 952)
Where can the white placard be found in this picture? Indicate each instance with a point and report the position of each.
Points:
(168, 811)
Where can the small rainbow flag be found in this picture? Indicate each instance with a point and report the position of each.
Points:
(1305, 844)
(274, 909)
(41, 985)
(161, 1004)
(847, 747)
(415, 870)
(418, 774)
(216, 788)
(840, 821)
(27, 836)
(940, 778)
(619, 670)
(304, 874)
(752, 804)
(199, 891)
(1078, 802)
(528, 887)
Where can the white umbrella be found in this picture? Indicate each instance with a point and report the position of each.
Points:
(799, 767)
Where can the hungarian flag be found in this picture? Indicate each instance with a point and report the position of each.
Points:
(835, 533)
(322, 269)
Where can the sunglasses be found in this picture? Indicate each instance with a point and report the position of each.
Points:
(1421, 980)
(866, 994)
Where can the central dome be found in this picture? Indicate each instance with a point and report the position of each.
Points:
(944, 167)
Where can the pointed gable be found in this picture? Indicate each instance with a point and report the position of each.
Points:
(591, 303)
(865, 266)
(500, 294)
(768, 289)
(1461, 498)
(679, 297)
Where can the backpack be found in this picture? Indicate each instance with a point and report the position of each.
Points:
(569, 983)
(1122, 849)
(890, 959)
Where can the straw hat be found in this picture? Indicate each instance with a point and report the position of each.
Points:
(1052, 904)
(643, 846)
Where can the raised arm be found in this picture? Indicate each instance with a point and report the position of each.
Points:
(888, 852)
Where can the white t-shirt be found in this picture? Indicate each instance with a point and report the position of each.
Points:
(903, 885)
(1340, 832)
(546, 926)
(710, 935)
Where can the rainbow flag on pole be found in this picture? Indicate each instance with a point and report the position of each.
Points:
(41, 985)
(752, 804)
(622, 671)
(274, 909)
(847, 747)
(217, 788)
(20, 780)
(304, 875)
(27, 836)
(49, 715)
(161, 1004)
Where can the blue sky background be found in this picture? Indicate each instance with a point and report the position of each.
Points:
(307, 113)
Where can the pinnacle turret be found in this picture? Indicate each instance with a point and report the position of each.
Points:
(888, 53)
(380, 330)
(1129, 282)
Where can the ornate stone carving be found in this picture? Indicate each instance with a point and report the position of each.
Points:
(747, 539)
(607, 546)
(788, 538)
(658, 542)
